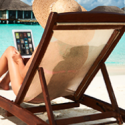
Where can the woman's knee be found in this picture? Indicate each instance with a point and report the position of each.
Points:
(10, 51)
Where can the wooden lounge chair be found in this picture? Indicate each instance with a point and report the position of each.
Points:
(112, 25)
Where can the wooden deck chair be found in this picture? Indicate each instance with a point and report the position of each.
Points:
(107, 29)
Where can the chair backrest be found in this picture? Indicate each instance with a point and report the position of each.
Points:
(72, 57)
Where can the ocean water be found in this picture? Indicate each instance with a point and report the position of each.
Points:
(6, 39)
(6, 36)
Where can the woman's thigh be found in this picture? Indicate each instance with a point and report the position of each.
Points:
(15, 76)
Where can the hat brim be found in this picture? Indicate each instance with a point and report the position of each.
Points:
(41, 9)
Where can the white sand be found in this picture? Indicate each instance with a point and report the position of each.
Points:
(96, 89)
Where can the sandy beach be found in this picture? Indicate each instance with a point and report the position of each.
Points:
(96, 89)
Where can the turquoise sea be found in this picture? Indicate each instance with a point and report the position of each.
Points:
(6, 36)
(6, 39)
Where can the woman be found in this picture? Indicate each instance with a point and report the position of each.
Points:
(66, 50)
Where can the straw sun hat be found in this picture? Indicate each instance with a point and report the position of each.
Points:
(42, 9)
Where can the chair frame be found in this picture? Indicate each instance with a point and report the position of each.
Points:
(84, 20)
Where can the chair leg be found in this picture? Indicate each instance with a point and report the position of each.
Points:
(111, 92)
(46, 97)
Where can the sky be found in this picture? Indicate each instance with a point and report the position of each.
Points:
(90, 4)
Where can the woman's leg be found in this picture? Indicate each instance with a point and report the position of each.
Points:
(8, 64)
(16, 75)
(4, 83)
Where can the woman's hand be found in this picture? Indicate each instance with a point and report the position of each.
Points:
(16, 56)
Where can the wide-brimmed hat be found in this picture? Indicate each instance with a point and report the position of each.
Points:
(42, 9)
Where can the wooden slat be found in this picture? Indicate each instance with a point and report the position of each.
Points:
(54, 107)
(85, 27)
(86, 118)
(91, 17)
